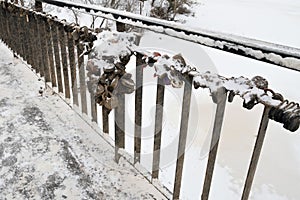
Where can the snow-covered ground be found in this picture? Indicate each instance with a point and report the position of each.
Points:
(48, 152)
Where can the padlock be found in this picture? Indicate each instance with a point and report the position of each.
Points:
(112, 102)
(274, 110)
(127, 76)
(126, 86)
(75, 34)
(250, 104)
(102, 79)
(278, 96)
(109, 69)
(114, 82)
(111, 76)
(279, 115)
(287, 114)
(196, 84)
(293, 123)
(100, 89)
(231, 96)
(260, 82)
(272, 113)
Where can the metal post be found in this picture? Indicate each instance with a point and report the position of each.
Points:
(256, 152)
(220, 98)
(182, 136)
(138, 108)
(158, 127)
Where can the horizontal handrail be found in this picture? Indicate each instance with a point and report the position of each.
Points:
(284, 56)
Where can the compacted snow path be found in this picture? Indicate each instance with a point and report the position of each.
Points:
(48, 152)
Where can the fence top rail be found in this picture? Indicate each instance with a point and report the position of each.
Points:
(284, 56)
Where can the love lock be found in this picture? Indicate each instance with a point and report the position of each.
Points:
(126, 84)
(196, 84)
(231, 96)
(280, 113)
(287, 114)
(272, 113)
(260, 82)
(273, 110)
(112, 102)
(293, 123)
(278, 96)
(102, 79)
(109, 69)
(250, 104)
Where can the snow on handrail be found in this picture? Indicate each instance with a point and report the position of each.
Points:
(280, 55)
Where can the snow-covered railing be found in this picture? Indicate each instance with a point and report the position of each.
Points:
(55, 49)
(280, 55)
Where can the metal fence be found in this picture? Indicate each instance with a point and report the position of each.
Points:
(54, 49)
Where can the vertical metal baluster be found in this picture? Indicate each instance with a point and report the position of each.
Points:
(39, 46)
(21, 24)
(6, 26)
(82, 78)
(50, 52)
(73, 68)
(182, 135)
(44, 43)
(105, 119)
(120, 114)
(1, 22)
(11, 30)
(44, 49)
(119, 125)
(7, 41)
(63, 51)
(27, 23)
(57, 58)
(93, 106)
(138, 107)
(256, 152)
(15, 31)
(26, 40)
(158, 127)
(220, 100)
(34, 40)
(19, 36)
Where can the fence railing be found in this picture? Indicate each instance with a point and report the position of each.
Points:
(54, 48)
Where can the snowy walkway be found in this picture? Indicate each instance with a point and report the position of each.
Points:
(48, 152)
